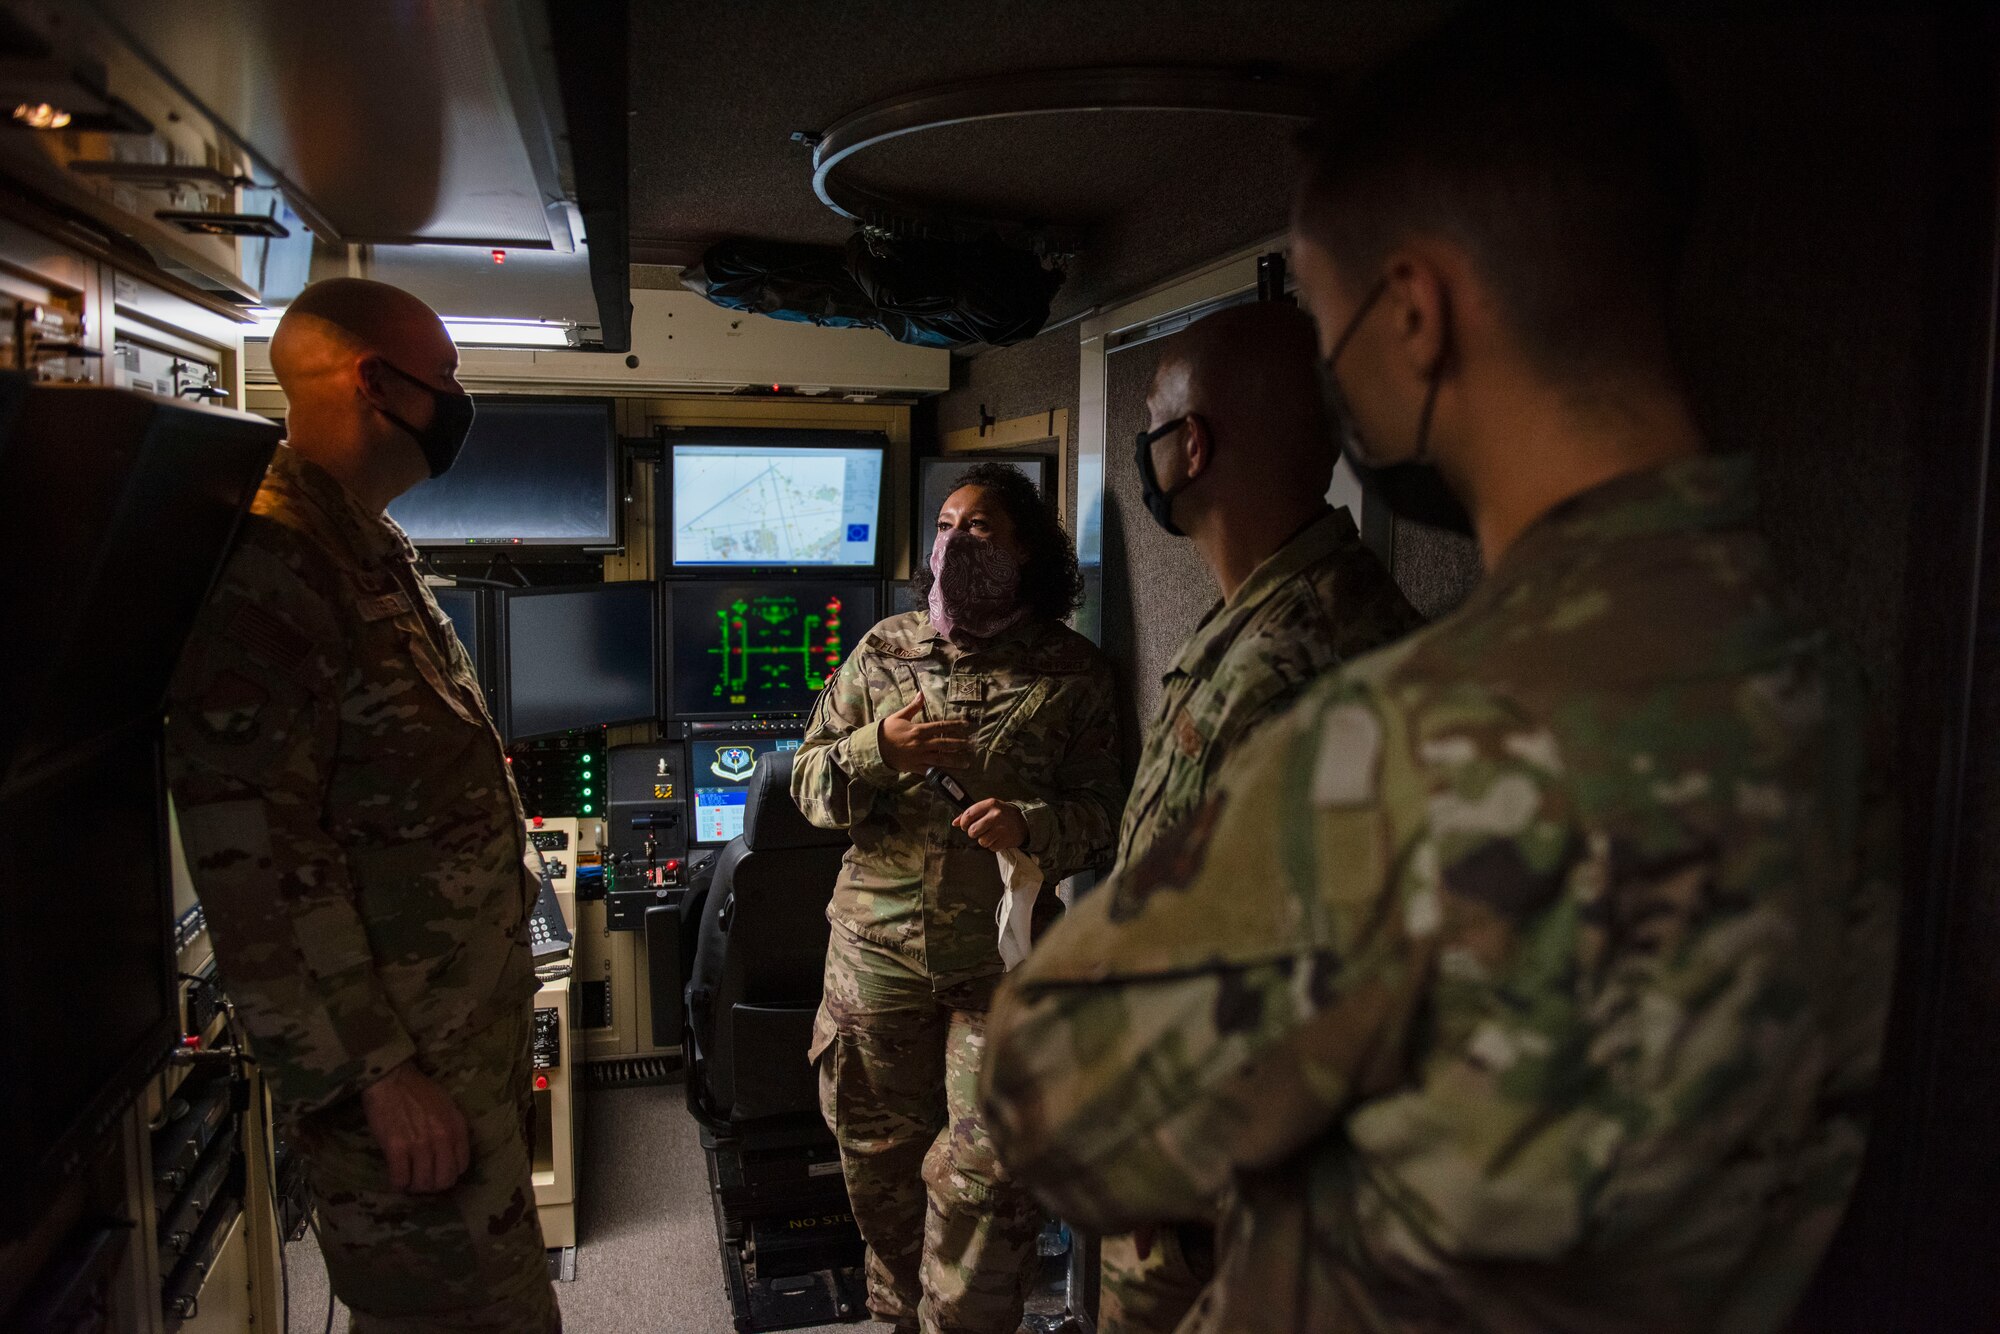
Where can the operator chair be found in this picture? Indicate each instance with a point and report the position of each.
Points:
(752, 951)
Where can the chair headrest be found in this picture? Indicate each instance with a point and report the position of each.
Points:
(771, 819)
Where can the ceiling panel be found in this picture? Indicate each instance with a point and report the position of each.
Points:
(718, 86)
(389, 121)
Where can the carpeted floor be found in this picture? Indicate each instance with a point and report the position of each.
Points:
(648, 1262)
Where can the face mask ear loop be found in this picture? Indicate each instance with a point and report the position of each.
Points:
(1423, 451)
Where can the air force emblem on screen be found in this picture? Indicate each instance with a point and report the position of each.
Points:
(734, 763)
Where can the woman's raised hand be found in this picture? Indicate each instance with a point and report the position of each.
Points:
(911, 745)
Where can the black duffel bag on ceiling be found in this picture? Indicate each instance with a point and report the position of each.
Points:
(926, 293)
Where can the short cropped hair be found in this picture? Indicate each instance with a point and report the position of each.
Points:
(1547, 140)
(1051, 583)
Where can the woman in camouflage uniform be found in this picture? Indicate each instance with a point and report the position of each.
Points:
(990, 684)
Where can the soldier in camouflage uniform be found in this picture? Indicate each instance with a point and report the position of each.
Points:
(1024, 716)
(357, 843)
(1531, 974)
(1237, 448)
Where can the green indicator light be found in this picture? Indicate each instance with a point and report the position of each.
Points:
(586, 792)
(586, 759)
(587, 808)
(586, 773)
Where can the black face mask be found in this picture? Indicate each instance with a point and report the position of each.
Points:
(1159, 501)
(1415, 490)
(451, 420)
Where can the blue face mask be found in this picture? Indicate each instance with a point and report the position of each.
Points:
(450, 423)
(1415, 490)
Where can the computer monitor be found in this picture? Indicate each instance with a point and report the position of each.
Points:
(776, 502)
(757, 649)
(467, 609)
(720, 770)
(577, 657)
(535, 471)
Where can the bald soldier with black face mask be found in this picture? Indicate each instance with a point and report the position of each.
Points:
(1237, 457)
(357, 843)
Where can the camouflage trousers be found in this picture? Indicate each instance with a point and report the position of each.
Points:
(464, 1260)
(1153, 1295)
(951, 1239)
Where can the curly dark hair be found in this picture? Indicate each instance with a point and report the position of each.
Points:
(1051, 584)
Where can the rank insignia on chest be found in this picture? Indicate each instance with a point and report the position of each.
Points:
(1187, 735)
(966, 690)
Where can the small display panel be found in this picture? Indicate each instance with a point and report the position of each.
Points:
(533, 472)
(745, 649)
(750, 506)
(578, 657)
(721, 772)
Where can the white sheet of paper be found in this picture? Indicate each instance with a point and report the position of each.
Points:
(1016, 913)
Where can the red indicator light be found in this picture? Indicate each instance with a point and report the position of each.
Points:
(774, 389)
(191, 1040)
(541, 1082)
(538, 822)
(499, 257)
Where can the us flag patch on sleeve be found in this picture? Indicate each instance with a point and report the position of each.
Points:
(269, 640)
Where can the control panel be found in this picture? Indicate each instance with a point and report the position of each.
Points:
(646, 806)
(561, 775)
(790, 724)
(547, 1047)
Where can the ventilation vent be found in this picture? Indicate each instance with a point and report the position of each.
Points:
(632, 1072)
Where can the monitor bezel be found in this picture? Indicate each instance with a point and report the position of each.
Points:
(612, 492)
(722, 738)
(779, 438)
(503, 683)
(669, 589)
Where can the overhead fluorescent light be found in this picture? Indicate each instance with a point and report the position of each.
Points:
(506, 333)
(464, 332)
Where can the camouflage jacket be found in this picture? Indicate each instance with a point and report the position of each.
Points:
(1529, 976)
(350, 824)
(1317, 602)
(1039, 702)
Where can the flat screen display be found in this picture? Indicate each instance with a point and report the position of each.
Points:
(534, 472)
(721, 772)
(578, 657)
(745, 649)
(763, 506)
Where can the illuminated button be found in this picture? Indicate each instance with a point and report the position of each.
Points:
(541, 1082)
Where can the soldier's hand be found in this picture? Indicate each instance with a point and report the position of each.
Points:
(994, 824)
(420, 1129)
(911, 745)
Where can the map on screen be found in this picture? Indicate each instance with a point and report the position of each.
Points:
(768, 505)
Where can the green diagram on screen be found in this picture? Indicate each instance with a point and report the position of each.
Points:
(774, 645)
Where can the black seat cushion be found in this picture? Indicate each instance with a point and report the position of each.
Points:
(758, 965)
(772, 821)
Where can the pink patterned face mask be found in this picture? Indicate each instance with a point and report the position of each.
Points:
(975, 586)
